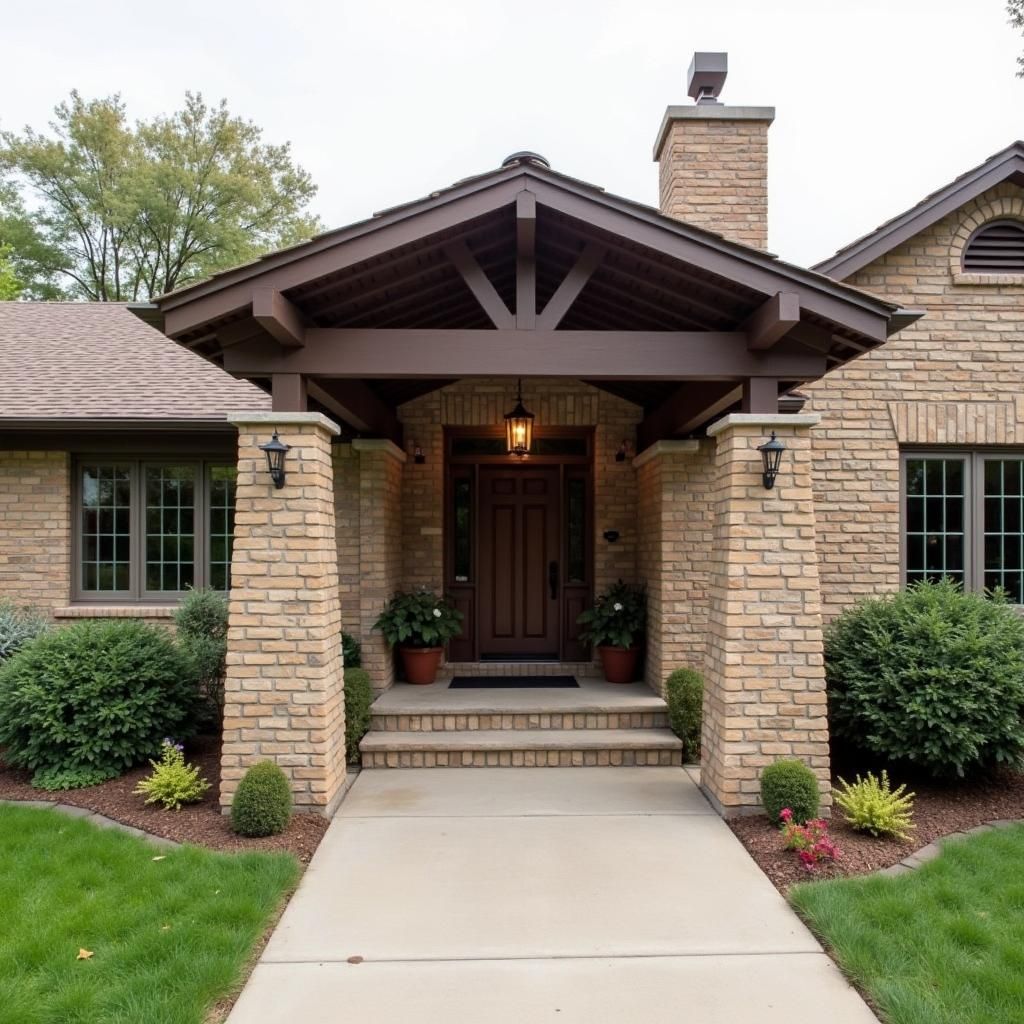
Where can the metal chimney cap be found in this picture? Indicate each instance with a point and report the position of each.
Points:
(706, 76)
(524, 156)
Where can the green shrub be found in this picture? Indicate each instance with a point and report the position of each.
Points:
(358, 698)
(871, 805)
(419, 619)
(18, 626)
(618, 617)
(172, 781)
(351, 651)
(70, 778)
(790, 784)
(931, 678)
(262, 804)
(94, 698)
(684, 694)
(202, 634)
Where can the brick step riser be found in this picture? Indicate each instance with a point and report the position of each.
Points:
(473, 723)
(521, 758)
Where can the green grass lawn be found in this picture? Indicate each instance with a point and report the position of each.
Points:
(943, 945)
(169, 937)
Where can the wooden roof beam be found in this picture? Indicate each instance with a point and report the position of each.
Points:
(772, 320)
(572, 284)
(690, 405)
(526, 261)
(278, 317)
(358, 406)
(615, 355)
(479, 284)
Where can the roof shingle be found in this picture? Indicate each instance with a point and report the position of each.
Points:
(98, 361)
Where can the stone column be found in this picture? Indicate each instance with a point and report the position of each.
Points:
(380, 547)
(284, 698)
(764, 677)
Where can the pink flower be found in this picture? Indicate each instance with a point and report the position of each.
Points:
(807, 859)
(786, 814)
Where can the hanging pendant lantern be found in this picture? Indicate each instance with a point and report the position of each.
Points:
(519, 427)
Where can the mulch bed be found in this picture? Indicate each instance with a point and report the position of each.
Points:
(938, 811)
(201, 824)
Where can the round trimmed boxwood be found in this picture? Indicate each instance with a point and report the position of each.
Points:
(790, 784)
(262, 804)
(930, 678)
(684, 694)
(87, 702)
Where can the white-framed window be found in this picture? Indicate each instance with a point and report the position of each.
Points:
(963, 518)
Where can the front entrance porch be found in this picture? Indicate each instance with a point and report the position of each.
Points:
(595, 723)
(672, 347)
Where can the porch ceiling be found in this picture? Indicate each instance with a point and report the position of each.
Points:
(601, 289)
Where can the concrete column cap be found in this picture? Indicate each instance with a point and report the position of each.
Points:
(667, 447)
(760, 419)
(379, 444)
(708, 112)
(284, 419)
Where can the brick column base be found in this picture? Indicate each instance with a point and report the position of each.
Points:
(284, 696)
(764, 678)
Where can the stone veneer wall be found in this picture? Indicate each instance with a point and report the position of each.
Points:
(284, 688)
(713, 172)
(764, 694)
(35, 528)
(484, 402)
(952, 378)
(675, 522)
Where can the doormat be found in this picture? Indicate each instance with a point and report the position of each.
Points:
(513, 683)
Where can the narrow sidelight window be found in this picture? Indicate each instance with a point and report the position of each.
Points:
(105, 525)
(462, 528)
(1004, 526)
(221, 491)
(170, 528)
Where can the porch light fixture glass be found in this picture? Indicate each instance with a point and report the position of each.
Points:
(519, 427)
(771, 458)
(276, 450)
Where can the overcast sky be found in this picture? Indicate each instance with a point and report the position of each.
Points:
(877, 103)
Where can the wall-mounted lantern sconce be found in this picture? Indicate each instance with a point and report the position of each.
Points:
(276, 450)
(623, 452)
(417, 454)
(771, 457)
(519, 427)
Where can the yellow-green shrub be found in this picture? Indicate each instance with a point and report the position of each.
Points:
(871, 805)
(172, 782)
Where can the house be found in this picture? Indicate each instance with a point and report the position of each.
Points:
(658, 349)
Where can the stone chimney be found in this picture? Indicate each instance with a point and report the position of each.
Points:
(713, 159)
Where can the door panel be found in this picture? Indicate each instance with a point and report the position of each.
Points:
(519, 539)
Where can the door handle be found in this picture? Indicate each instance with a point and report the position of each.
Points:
(553, 579)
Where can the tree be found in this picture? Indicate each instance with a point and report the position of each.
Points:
(27, 264)
(1015, 9)
(10, 285)
(123, 212)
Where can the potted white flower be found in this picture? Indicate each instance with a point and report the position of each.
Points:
(419, 624)
(616, 625)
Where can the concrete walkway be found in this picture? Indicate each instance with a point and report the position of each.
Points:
(493, 896)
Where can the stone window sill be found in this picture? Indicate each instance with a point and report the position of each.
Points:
(118, 611)
(959, 277)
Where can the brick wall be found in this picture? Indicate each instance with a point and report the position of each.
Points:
(35, 528)
(952, 378)
(764, 693)
(713, 172)
(674, 485)
(283, 692)
(481, 402)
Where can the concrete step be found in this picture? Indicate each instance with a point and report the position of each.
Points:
(520, 748)
(529, 718)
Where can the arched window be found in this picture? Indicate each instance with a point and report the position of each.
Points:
(996, 248)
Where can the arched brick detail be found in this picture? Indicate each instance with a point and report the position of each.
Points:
(977, 213)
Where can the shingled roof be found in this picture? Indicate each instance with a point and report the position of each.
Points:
(67, 362)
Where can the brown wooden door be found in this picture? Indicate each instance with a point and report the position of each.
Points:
(520, 512)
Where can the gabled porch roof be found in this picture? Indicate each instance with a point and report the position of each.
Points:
(525, 271)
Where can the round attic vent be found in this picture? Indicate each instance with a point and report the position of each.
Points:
(524, 157)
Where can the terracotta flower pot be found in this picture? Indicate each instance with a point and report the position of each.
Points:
(619, 663)
(421, 664)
